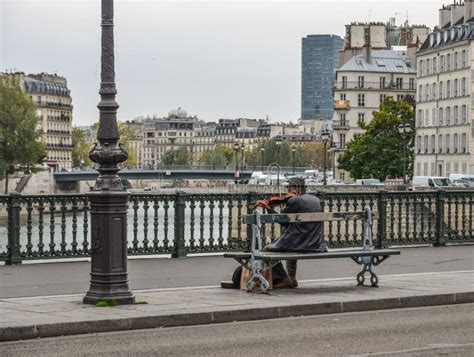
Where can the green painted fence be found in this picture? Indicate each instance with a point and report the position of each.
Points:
(58, 226)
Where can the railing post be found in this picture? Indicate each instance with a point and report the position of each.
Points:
(382, 221)
(440, 199)
(13, 247)
(179, 249)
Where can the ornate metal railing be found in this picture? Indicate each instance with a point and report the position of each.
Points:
(58, 226)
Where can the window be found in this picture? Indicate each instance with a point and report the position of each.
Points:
(343, 119)
(463, 86)
(428, 67)
(455, 143)
(400, 97)
(425, 168)
(344, 82)
(412, 83)
(361, 100)
(447, 143)
(448, 62)
(382, 82)
(342, 96)
(434, 117)
(455, 114)
(342, 140)
(440, 117)
(425, 144)
(455, 89)
(441, 90)
(420, 68)
(440, 143)
(463, 143)
(463, 114)
(361, 117)
(434, 65)
(427, 117)
(420, 93)
(433, 144)
(382, 98)
(456, 55)
(433, 91)
(399, 83)
(463, 58)
(427, 92)
(418, 144)
(448, 89)
(360, 81)
(448, 115)
(441, 64)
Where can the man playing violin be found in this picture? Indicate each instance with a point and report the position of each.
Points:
(296, 237)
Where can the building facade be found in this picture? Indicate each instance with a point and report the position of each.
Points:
(444, 141)
(319, 60)
(361, 85)
(53, 101)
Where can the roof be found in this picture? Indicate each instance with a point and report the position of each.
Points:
(387, 61)
(447, 36)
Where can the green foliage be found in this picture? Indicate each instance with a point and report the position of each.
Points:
(80, 151)
(379, 151)
(220, 156)
(180, 156)
(20, 145)
(106, 303)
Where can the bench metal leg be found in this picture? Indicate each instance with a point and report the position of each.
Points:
(258, 267)
(367, 262)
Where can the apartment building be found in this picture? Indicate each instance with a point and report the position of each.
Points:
(361, 84)
(53, 101)
(444, 126)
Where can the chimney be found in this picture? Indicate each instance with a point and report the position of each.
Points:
(367, 46)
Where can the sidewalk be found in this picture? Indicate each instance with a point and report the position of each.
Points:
(48, 316)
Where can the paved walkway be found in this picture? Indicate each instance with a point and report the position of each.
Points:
(47, 316)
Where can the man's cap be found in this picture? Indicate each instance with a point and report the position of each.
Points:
(296, 181)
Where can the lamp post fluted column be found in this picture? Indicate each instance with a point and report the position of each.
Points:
(108, 199)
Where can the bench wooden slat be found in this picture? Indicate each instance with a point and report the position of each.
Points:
(306, 217)
(273, 256)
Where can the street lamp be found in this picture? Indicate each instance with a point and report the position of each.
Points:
(293, 150)
(242, 148)
(404, 129)
(278, 145)
(108, 199)
(262, 151)
(325, 136)
(236, 149)
(254, 158)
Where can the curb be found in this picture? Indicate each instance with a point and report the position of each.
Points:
(203, 318)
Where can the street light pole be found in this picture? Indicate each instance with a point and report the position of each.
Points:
(325, 135)
(262, 150)
(403, 130)
(236, 148)
(242, 147)
(293, 150)
(278, 145)
(108, 199)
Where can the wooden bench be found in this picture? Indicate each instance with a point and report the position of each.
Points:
(259, 261)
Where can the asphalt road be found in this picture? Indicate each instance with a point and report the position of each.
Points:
(441, 330)
(73, 277)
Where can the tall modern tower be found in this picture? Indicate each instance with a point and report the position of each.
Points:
(319, 61)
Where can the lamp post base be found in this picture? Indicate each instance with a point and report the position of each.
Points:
(109, 276)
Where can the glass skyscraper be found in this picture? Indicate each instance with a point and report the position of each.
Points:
(319, 61)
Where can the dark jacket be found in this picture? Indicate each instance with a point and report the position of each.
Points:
(300, 237)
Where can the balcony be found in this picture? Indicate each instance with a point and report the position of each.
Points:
(354, 85)
(340, 125)
(342, 104)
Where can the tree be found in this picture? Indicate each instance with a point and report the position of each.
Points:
(19, 139)
(180, 156)
(379, 152)
(80, 151)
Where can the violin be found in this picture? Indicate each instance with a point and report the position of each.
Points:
(271, 201)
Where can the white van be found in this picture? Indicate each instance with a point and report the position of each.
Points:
(369, 182)
(254, 178)
(263, 180)
(311, 174)
(430, 181)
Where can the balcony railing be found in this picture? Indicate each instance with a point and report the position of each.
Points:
(373, 85)
(58, 226)
(340, 125)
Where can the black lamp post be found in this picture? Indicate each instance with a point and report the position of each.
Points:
(236, 149)
(254, 158)
(278, 145)
(293, 150)
(404, 129)
(242, 148)
(108, 199)
(325, 135)
(262, 151)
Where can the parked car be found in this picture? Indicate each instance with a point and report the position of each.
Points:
(466, 179)
(430, 181)
(369, 182)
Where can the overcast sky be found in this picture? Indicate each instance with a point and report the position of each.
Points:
(214, 59)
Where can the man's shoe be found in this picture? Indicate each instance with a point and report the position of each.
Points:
(294, 282)
(286, 283)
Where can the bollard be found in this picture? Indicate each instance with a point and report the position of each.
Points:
(382, 220)
(440, 198)
(179, 248)
(13, 247)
